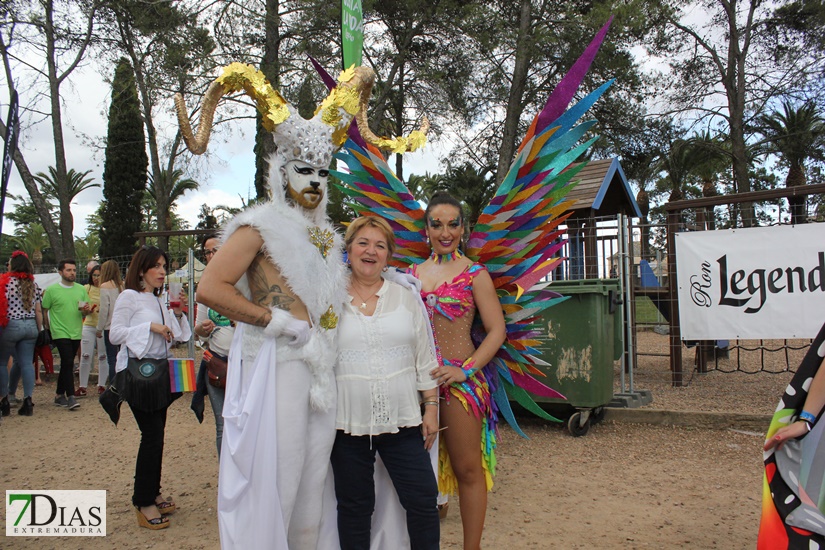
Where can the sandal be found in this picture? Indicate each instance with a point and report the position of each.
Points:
(165, 506)
(153, 524)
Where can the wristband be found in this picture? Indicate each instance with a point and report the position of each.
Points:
(807, 417)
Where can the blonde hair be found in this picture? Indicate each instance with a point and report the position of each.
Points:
(370, 221)
(20, 263)
(110, 271)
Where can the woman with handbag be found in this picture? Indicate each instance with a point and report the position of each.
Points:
(22, 319)
(145, 330)
(216, 331)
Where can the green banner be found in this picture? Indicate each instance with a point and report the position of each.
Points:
(352, 32)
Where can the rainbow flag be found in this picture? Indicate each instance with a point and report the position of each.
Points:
(182, 375)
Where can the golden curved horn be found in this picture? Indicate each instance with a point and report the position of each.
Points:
(415, 140)
(235, 77)
(197, 142)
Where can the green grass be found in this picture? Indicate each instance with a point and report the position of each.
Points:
(646, 311)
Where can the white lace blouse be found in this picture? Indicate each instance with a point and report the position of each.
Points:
(131, 321)
(383, 362)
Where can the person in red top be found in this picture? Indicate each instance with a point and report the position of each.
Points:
(21, 317)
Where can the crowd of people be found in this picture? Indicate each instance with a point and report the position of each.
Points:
(398, 375)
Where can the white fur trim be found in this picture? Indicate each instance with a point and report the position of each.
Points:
(317, 281)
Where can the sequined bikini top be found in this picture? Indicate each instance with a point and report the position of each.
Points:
(452, 299)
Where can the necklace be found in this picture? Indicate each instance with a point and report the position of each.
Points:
(443, 258)
(363, 301)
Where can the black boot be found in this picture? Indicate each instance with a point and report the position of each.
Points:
(27, 408)
(5, 406)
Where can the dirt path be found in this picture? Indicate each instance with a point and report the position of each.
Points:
(622, 485)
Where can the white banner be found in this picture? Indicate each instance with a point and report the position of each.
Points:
(762, 282)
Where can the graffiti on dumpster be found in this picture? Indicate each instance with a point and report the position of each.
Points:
(576, 364)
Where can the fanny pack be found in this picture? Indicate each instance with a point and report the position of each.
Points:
(215, 369)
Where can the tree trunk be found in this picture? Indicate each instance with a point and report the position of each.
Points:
(399, 123)
(643, 200)
(37, 260)
(270, 66)
(798, 204)
(734, 82)
(37, 200)
(709, 190)
(511, 120)
(66, 222)
(162, 204)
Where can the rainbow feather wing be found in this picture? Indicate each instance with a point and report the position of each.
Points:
(517, 236)
(374, 190)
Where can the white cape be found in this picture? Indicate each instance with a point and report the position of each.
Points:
(249, 512)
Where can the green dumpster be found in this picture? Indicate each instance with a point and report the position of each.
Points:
(581, 338)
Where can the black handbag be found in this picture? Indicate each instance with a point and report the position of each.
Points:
(44, 338)
(145, 384)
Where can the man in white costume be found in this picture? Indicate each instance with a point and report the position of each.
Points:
(280, 275)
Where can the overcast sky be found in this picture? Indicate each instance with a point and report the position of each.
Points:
(229, 176)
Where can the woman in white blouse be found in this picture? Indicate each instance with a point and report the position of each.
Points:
(143, 328)
(383, 375)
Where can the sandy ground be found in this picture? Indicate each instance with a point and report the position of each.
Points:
(622, 485)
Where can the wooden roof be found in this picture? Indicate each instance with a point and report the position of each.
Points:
(603, 191)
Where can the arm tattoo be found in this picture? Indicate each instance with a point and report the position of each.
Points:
(265, 294)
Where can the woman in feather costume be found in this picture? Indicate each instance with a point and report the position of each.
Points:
(453, 288)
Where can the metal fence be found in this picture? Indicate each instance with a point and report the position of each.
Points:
(651, 330)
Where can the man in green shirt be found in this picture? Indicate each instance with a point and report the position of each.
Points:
(66, 303)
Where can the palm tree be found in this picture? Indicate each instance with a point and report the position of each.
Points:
(423, 187)
(33, 240)
(78, 182)
(641, 167)
(87, 247)
(796, 135)
(472, 186)
(162, 194)
(709, 159)
(677, 164)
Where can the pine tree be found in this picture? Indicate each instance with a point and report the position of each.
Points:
(125, 167)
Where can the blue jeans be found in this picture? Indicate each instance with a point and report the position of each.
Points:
(17, 341)
(216, 396)
(409, 467)
(111, 356)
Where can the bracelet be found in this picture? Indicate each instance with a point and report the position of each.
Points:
(429, 403)
(807, 425)
(807, 417)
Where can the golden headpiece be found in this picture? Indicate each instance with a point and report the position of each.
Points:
(313, 141)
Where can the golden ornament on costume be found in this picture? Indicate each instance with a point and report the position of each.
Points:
(329, 320)
(321, 239)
